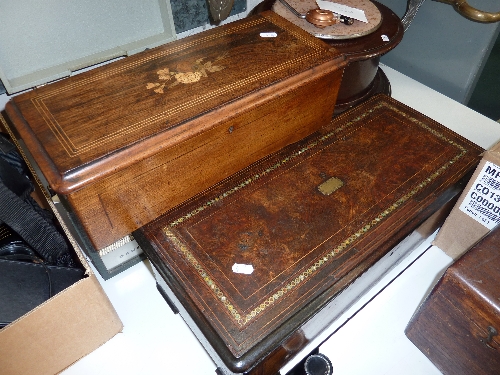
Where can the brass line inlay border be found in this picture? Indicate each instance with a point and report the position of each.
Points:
(165, 52)
(73, 150)
(172, 50)
(324, 259)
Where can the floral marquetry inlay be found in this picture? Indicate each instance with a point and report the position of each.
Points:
(184, 73)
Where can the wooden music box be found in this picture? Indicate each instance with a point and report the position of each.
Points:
(262, 262)
(123, 143)
(458, 325)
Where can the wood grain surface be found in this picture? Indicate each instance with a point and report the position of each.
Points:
(452, 327)
(304, 247)
(127, 141)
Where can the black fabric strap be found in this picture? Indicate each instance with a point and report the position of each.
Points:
(9, 153)
(21, 217)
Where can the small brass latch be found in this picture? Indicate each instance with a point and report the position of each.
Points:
(492, 332)
(330, 185)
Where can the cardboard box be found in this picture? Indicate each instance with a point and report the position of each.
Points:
(477, 211)
(63, 329)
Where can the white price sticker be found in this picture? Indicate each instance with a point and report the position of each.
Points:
(482, 202)
(270, 34)
(246, 269)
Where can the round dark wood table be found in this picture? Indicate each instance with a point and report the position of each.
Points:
(362, 77)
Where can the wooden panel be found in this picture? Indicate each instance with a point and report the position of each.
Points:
(87, 118)
(452, 325)
(304, 247)
(133, 197)
(111, 140)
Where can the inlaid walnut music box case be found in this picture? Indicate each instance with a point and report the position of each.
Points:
(123, 143)
(260, 263)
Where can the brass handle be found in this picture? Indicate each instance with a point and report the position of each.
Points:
(462, 7)
(492, 332)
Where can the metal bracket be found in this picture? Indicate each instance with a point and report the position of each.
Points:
(462, 7)
(487, 340)
(412, 7)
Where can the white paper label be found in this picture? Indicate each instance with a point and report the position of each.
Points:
(344, 10)
(246, 269)
(482, 202)
(270, 34)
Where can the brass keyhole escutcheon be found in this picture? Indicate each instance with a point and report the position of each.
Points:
(330, 185)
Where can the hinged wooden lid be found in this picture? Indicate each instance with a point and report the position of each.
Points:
(94, 124)
(305, 222)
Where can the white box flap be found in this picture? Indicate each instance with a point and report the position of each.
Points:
(41, 41)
